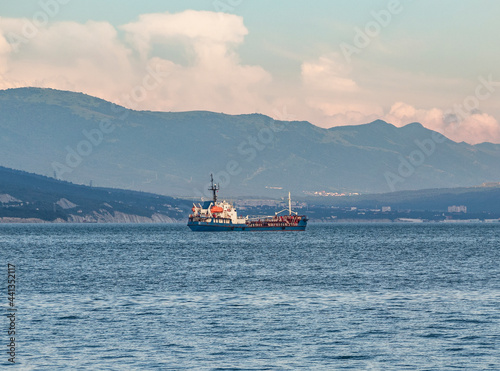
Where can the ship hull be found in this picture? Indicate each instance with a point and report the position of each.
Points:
(215, 216)
(201, 226)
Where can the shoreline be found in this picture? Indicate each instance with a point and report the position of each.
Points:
(136, 219)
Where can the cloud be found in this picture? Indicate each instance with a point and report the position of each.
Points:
(329, 74)
(332, 96)
(474, 128)
(189, 61)
(5, 50)
(68, 55)
(477, 128)
(116, 64)
(402, 114)
(199, 27)
(214, 78)
(337, 114)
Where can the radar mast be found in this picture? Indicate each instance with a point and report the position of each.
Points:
(214, 188)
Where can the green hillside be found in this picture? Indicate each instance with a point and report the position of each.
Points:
(25, 195)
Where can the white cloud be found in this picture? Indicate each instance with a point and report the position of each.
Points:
(215, 79)
(68, 55)
(401, 111)
(92, 58)
(332, 96)
(337, 114)
(4, 54)
(474, 128)
(189, 61)
(328, 73)
(478, 128)
(199, 27)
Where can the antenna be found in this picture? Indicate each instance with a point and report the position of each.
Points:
(214, 188)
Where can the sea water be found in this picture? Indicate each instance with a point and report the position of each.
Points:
(336, 297)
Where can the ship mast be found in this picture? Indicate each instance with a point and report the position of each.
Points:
(290, 212)
(214, 188)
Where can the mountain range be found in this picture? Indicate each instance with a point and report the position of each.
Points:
(83, 139)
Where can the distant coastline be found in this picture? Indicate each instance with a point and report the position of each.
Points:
(33, 198)
(119, 218)
(418, 221)
(162, 219)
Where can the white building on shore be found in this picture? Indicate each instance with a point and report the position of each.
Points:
(457, 209)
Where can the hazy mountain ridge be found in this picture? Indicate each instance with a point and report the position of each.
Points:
(173, 153)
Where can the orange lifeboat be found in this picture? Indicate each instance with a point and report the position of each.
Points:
(216, 209)
(193, 209)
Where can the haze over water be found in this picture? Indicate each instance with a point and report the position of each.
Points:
(358, 297)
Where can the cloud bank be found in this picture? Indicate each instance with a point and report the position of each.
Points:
(126, 66)
(189, 61)
(474, 128)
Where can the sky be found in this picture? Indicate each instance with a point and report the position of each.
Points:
(327, 62)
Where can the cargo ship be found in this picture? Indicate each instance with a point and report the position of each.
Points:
(222, 216)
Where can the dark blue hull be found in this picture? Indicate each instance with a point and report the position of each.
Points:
(199, 226)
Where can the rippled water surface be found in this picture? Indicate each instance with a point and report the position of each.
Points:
(336, 297)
